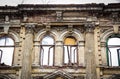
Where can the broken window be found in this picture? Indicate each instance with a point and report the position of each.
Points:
(113, 52)
(70, 51)
(47, 51)
(6, 50)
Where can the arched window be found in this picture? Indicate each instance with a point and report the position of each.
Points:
(113, 51)
(47, 51)
(70, 51)
(6, 50)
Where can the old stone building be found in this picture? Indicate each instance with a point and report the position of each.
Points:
(73, 41)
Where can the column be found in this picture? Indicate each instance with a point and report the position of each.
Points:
(27, 52)
(89, 51)
(36, 61)
(59, 53)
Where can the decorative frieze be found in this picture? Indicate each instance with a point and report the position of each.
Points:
(59, 28)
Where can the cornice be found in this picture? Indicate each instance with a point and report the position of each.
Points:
(113, 7)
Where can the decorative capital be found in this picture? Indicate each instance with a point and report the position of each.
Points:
(29, 28)
(89, 27)
(103, 44)
(90, 24)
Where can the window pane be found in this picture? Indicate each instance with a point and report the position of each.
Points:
(74, 55)
(2, 41)
(7, 55)
(51, 57)
(9, 41)
(45, 56)
(47, 40)
(113, 45)
(66, 53)
(6, 41)
(114, 41)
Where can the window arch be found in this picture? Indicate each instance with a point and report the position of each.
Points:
(6, 50)
(47, 51)
(70, 51)
(113, 50)
(2, 76)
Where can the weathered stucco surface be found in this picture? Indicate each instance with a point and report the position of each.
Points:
(90, 24)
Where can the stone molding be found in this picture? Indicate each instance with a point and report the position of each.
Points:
(59, 73)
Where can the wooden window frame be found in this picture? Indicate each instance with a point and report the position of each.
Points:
(108, 52)
(50, 46)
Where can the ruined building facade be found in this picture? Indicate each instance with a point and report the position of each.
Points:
(79, 41)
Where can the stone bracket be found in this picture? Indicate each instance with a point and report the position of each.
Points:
(47, 28)
(89, 26)
(59, 15)
(6, 28)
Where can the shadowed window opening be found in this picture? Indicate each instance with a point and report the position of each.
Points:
(113, 51)
(47, 51)
(6, 50)
(70, 51)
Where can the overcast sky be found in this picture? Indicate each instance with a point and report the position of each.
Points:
(16, 2)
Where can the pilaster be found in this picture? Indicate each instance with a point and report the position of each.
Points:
(90, 51)
(81, 54)
(59, 53)
(27, 52)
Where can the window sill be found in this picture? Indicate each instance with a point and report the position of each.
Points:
(110, 67)
(2, 66)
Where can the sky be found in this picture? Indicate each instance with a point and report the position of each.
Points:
(16, 2)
